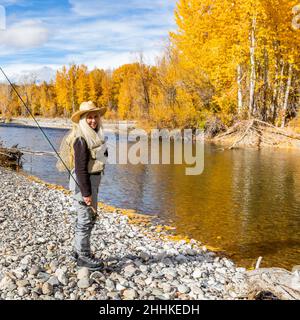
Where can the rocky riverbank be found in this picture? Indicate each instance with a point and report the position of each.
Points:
(36, 226)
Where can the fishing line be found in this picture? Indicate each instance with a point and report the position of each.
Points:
(46, 137)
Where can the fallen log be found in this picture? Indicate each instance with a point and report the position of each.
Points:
(257, 133)
(10, 157)
(277, 282)
(243, 136)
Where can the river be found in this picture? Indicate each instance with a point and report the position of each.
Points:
(246, 202)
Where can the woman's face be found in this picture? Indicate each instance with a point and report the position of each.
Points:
(93, 119)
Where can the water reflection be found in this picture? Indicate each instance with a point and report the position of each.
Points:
(246, 202)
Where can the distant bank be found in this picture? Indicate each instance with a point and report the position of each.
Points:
(64, 123)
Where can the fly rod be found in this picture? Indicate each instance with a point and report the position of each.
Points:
(46, 137)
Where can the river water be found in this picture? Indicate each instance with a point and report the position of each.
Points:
(246, 202)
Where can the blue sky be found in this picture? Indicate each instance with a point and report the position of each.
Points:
(102, 33)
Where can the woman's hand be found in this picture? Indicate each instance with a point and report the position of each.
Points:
(88, 200)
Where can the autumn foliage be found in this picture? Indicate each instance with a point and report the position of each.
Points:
(229, 60)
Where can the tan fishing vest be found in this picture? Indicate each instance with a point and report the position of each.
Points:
(94, 165)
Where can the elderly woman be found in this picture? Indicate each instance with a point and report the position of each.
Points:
(88, 156)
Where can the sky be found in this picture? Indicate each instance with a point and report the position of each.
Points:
(43, 34)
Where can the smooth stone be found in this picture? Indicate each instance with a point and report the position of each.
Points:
(34, 270)
(59, 296)
(148, 281)
(129, 294)
(61, 276)
(47, 289)
(145, 256)
(129, 270)
(6, 283)
(109, 284)
(183, 289)
(143, 268)
(53, 281)
(22, 283)
(22, 291)
(197, 273)
(166, 287)
(196, 289)
(113, 295)
(119, 287)
(43, 276)
(83, 283)
(83, 273)
(53, 266)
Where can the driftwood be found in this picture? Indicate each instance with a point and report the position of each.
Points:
(10, 157)
(243, 135)
(256, 133)
(273, 283)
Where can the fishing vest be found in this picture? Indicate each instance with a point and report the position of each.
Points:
(97, 158)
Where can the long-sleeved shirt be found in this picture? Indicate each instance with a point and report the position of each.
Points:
(82, 157)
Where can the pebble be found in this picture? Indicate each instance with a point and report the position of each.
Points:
(83, 273)
(61, 276)
(22, 291)
(47, 289)
(83, 283)
(129, 294)
(53, 281)
(22, 283)
(183, 288)
(34, 270)
(37, 231)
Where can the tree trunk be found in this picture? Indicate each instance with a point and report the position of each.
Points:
(287, 93)
(275, 94)
(266, 84)
(253, 67)
(239, 83)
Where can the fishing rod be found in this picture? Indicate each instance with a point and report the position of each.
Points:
(46, 137)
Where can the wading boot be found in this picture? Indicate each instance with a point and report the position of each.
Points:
(88, 261)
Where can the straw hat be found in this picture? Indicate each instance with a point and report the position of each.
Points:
(87, 107)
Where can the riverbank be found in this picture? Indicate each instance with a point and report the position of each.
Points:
(140, 262)
(255, 133)
(63, 123)
(242, 134)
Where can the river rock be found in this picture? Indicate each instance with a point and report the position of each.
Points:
(83, 273)
(129, 294)
(83, 283)
(53, 281)
(129, 270)
(47, 289)
(22, 283)
(34, 270)
(7, 284)
(22, 291)
(109, 285)
(61, 276)
(183, 288)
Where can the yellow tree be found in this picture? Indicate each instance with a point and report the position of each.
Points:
(243, 48)
(61, 90)
(82, 84)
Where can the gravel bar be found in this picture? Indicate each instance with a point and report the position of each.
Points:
(37, 229)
